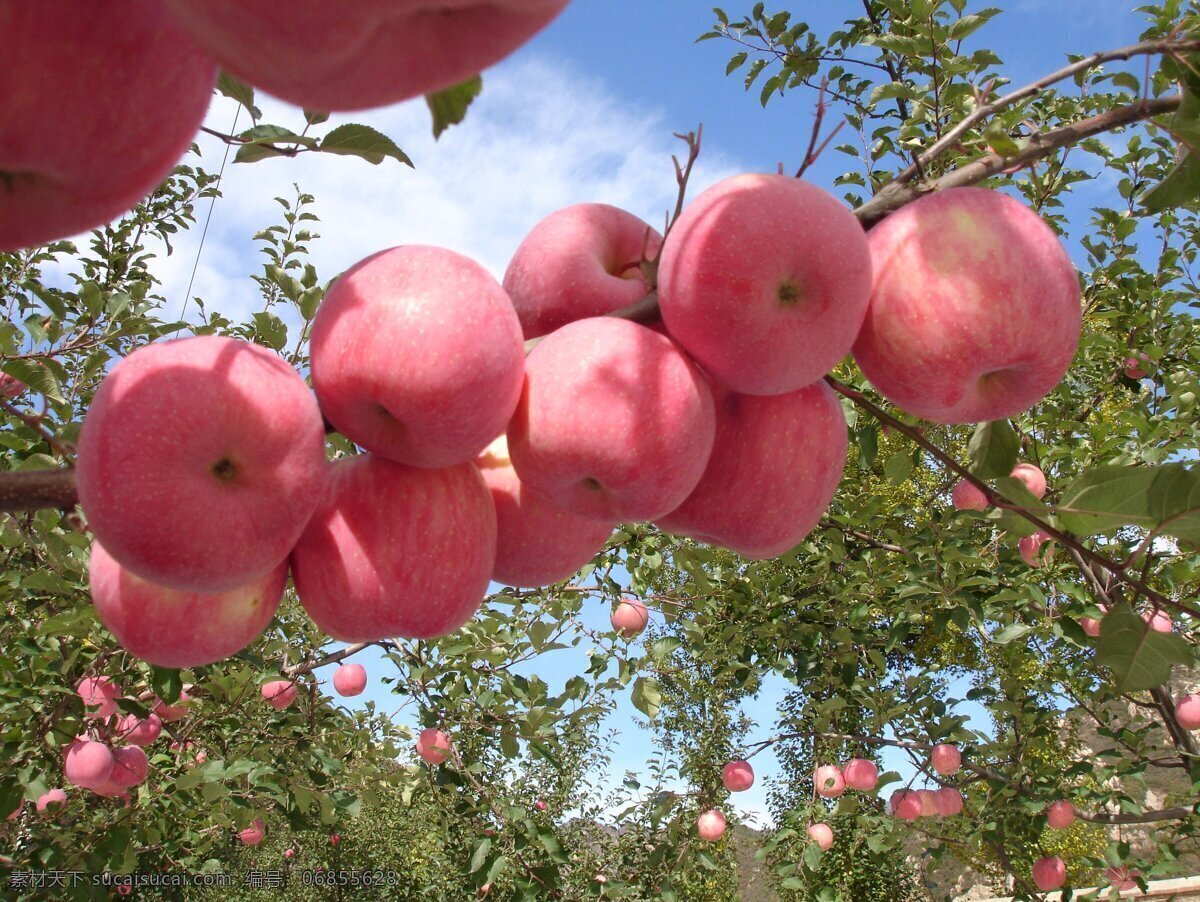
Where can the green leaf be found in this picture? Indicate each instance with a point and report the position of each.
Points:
(239, 91)
(1105, 498)
(1139, 657)
(993, 449)
(449, 106)
(736, 61)
(271, 330)
(968, 25)
(647, 697)
(1174, 502)
(39, 378)
(495, 870)
(362, 141)
(1016, 492)
(480, 856)
(898, 466)
(1011, 633)
(1180, 188)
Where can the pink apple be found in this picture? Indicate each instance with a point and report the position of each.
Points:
(1187, 712)
(130, 766)
(1060, 815)
(279, 694)
(822, 835)
(738, 776)
(711, 825)
(1032, 476)
(1135, 367)
(1091, 625)
(536, 543)
(216, 440)
(615, 423)
(829, 781)
(433, 746)
(289, 853)
(1159, 621)
(765, 281)
(861, 775)
(324, 57)
(417, 356)
(99, 694)
(136, 731)
(948, 801)
(254, 834)
(946, 759)
(540, 805)
(905, 804)
(1121, 877)
(87, 763)
(968, 497)
(928, 800)
(52, 800)
(1049, 873)
(200, 757)
(975, 311)
(629, 618)
(173, 712)
(10, 386)
(350, 679)
(128, 89)
(334, 839)
(753, 497)
(180, 627)
(16, 812)
(396, 551)
(578, 262)
(1032, 552)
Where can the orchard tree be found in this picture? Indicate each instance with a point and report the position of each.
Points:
(918, 442)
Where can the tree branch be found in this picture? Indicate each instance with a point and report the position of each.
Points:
(32, 490)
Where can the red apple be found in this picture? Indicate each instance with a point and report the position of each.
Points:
(1049, 873)
(173, 712)
(325, 56)
(350, 680)
(433, 746)
(829, 781)
(1032, 476)
(905, 804)
(417, 356)
(128, 90)
(753, 498)
(52, 800)
(279, 694)
(396, 551)
(215, 440)
(136, 731)
(948, 801)
(615, 423)
(540, 805)
(578, 262)
(711, 825)
(861, 775)
(1060, 815)
(738, 776)
(1159, 621)
(289, 853)
(1032, 552)
(975, 311)
(99, 694)
(1091, 625)
(179, 627)
(334, 839)
(87, 763)
(928, 800)
(254, 834)
(765, 281)
(1135, 366)
(946, 759)
(1187, 712)
(629, 618)
(130, 766)
(536, 543)
(968, 497)
(822, 835)
(10, 386)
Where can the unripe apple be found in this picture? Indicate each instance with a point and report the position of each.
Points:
(1032, 476)
(136, 731)
(218, 440)
(130, 766)
(615, 422)
(1049, 873)
(829, 781)
(738, 776)
(905, 804)
(173, 712)
(753, 498)
(711, 825)
(861, 774)
(1121, 877)
(1159, 621)
(254, 834)
(1187, 712)
(87, 763)
(396, 551)
(433, 746)
(417, 356)
(822, 835)
(946, 759)
(629, 618)
(279, 694)
(1135, 366)
(129, 90)
(350, 679)
(52, 800)
(765, 280)
(322, 56)
(180, 627)
(536, 542)
(948, 801)
(975, 311)
(968, 497)
(1060, 815)
(99, 694)
(578, 262)
(1032, 552)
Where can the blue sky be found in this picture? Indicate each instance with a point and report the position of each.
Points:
(585, 112)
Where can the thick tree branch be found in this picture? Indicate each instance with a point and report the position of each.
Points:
(332, 658)
(1145, 817)
(32, 490)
